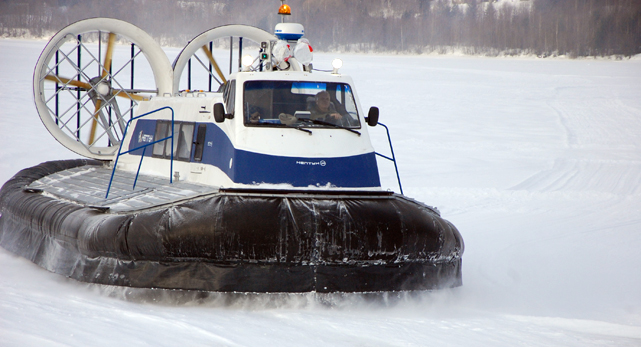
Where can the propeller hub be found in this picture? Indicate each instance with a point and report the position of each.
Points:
(102, 88)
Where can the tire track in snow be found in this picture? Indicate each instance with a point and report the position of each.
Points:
(620, 177)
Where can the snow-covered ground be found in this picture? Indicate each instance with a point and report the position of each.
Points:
(537, 162)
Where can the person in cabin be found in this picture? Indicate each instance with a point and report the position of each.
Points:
(255, 115)
(323, 109)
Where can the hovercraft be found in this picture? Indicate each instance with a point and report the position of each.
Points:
(260, 180)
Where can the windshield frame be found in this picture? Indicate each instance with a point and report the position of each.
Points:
(294, 104)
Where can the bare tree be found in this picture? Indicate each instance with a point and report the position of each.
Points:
(545, 27)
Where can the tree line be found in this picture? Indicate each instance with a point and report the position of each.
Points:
(542, 27)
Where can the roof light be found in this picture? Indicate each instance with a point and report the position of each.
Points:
(285, 10)
(247, 61)
(336, 64)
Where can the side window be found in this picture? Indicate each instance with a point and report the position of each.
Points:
(161, 133)
(168, 143)
(346, 103)
(183, 140)
(200, 142)
(229, 95)
(339, 96)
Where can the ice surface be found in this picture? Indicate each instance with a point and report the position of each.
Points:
(536, 161)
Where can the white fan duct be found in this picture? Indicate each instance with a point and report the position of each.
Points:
(84, 100)
(201, 41)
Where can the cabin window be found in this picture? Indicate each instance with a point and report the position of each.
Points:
(183, 140)
(200, 142)
(229, 95)
(161, 132)
(300, 104)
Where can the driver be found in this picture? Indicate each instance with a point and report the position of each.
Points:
(323, 109)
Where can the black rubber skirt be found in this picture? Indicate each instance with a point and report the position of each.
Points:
(235, 241)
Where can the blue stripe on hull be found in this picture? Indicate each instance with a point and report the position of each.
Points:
(352, 172)
(247, 167)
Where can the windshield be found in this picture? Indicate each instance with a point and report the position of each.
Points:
(299, 104)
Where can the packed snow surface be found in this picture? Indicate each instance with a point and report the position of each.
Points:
(536, 161)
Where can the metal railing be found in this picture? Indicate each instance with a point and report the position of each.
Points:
(393, 158)
(144, 148)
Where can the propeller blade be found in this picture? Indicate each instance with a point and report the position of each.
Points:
(123, 94)
(68, 81)
(94, 122)
(108, 55)
(213, 62)
(105, 71)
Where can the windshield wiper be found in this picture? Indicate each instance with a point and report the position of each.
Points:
(303, 129)
(300, 127)
(321, 122)
(297, 127)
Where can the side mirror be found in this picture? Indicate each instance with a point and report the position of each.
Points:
(372, 116)
(219, 113)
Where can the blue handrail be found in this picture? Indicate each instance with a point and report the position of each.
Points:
(144, 148)
(393, 158)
